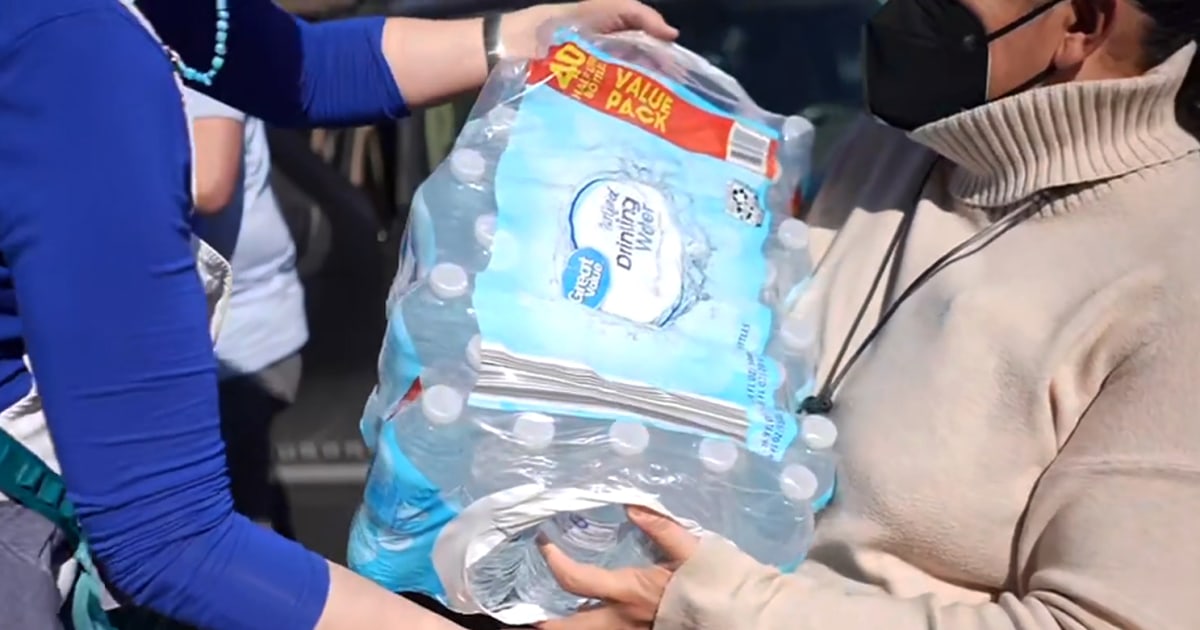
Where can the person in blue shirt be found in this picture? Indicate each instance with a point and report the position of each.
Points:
(99, 294)
(258, 348)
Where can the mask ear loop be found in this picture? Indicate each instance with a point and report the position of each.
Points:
(1021, 21)
(1033, 82)
(1036, 79)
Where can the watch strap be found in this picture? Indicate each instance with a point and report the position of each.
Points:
(492, 45)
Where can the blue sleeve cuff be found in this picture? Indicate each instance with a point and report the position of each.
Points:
(229, 564)
(282, 69)
(347, 80)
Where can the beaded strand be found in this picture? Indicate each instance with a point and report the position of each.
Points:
(218, 60)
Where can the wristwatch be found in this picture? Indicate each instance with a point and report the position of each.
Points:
(492, 45)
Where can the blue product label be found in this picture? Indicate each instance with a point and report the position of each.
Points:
(399, 365)
(630, 236)
(392, 538)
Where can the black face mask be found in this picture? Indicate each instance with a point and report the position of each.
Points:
(925, 60)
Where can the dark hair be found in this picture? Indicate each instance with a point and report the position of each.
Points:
(1175, 23)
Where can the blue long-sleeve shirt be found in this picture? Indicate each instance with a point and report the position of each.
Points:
(98, 285)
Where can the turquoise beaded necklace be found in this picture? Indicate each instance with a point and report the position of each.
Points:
(218, 60)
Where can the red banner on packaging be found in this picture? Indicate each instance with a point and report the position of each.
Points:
(638, 99)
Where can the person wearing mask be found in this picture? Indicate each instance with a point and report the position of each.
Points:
(265, 327)
(1017, 408)
(100, 299)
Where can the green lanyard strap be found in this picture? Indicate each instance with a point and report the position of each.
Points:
(27, 480)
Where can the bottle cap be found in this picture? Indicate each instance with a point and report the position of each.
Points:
(441, 404)
(797, 335)
(468, 165)
(798, 483)
(627, 437)
(475, 352)
(818, 432)
(485, 230)
(448, 281)
(502, 117)
(719, 456)
(792, 234)
(534, 431)
(794, 127)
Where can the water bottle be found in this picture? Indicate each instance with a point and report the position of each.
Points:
(798, 135)
(759, 503)
(438, 318)
(819, 434)
(485, 235)
(490, 130)
(437, 436)
(795, 156)
(794, 348)
(469, 166)
(628, 439)
(709, 491)
(475, 352)
(462, 193)
(493, 577)
(778, 519)
(506, 457)
(788, 251)
(604, 536)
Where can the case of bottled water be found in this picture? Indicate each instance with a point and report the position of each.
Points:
(595, 307)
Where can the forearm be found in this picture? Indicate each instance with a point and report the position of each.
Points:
(355, 603)
(432, 60)
(723, 588)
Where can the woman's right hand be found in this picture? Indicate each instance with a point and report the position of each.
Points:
(519, 30)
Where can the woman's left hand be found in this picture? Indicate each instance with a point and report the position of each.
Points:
(519, 30)
(629, 597)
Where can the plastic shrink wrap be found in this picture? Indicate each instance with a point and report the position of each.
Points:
(595, 307)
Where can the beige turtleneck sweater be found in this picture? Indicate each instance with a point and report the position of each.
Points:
(1021, 446)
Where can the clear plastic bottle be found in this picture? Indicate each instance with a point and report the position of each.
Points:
(485, 235)
(490, 130)
(788, 250)
(779, 521)
(794, 347)
(604, 536)
(437, 436)
(507, 456)
(438, 319)
(818, 434)
(795, 155)
(411, 487)
(601, 536)
(470, 167)
(455, 199)
(761, 505)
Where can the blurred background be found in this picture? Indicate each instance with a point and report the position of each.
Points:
(345, 196)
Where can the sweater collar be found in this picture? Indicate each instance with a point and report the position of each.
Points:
(1061, 135)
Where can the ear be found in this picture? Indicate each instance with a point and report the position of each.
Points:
(1087, 24)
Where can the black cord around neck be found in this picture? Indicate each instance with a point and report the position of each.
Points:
(822, 401)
